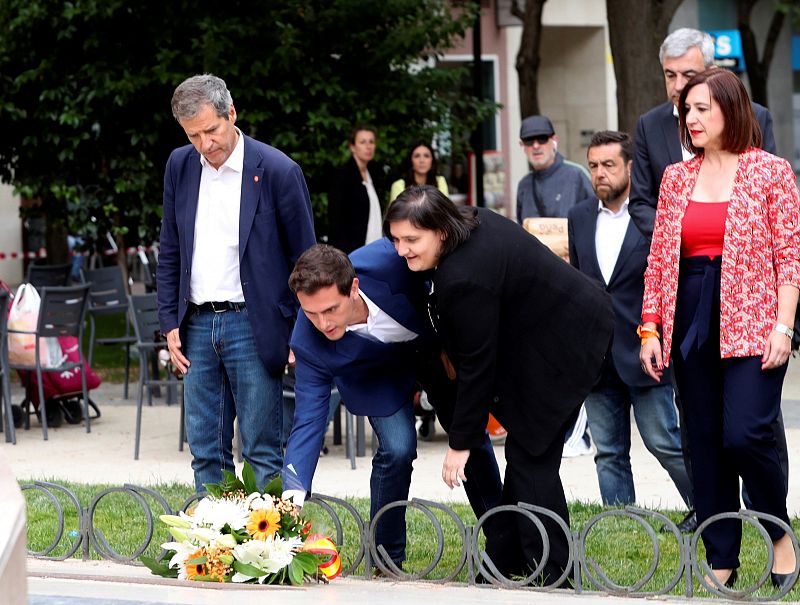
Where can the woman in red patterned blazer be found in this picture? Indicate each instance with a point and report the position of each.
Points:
(721, 289)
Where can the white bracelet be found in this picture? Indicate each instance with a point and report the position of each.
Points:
(784, 329)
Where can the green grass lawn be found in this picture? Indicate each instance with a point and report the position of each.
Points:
(621, 548)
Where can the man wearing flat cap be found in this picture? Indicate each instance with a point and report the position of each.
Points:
(554, 184)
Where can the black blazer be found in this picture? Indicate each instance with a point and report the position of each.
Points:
(526, 333)
(658, 146)
(626, 286)
(348, 206)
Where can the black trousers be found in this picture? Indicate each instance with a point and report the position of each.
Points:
(729, 407)
(512, 541)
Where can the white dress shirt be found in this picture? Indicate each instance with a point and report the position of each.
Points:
(374, 221)
(379, 327)
(685, 153)
(608, 237)
(215, 258)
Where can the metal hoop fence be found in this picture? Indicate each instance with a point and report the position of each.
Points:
(356, 537)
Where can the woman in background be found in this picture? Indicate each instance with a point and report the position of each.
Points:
(354, 198)
(420, 169)
(722, 287)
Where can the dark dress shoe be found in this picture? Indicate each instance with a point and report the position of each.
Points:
(781, 580)
(689, 523)
(731, 578)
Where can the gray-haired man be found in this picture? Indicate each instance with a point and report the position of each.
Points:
(237, 215)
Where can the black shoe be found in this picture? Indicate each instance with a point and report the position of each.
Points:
(689, 523)
(731, 578)
(427, 429)
(16, 413)
(781, 580)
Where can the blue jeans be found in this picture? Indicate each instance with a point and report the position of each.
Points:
(391, 476)
(227, 380)
(609, 415)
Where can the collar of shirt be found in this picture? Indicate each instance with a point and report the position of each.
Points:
(235, 160)
(601, 207)
(380, 326)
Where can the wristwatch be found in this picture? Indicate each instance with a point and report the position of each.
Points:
(784, 329)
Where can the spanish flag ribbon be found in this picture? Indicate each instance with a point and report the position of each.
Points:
(322, 545)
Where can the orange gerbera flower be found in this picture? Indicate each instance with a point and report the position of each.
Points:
(196, 569)
(263, 523)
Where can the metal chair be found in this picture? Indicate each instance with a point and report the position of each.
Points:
(143, 313)
(6, 414)
(61, 313)
(108, 296)
(48, 276)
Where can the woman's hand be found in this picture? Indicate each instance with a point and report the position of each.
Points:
(453, 467)
(777, 351)
(650, 358)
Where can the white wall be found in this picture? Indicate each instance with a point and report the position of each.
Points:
(10, 236)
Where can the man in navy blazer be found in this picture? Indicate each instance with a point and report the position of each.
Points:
(362, 326)
(236, 216)
(605, 245)
(684, 53)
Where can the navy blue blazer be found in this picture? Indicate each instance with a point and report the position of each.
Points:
(275, 226)
(658, 146)
(374, 378)
(626, 287)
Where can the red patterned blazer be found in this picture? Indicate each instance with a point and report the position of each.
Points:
(760, 250)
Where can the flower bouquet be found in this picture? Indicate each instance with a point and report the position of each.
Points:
(239, 534)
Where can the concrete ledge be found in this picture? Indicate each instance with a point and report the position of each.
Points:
(13, 574)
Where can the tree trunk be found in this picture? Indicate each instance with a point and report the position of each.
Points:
(757, 69)
(636, 30)
(528, 56)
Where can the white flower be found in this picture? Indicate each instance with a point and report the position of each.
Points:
(204, 535)
(182, 552)
(256, 501)
(270, 555)
(215, 513)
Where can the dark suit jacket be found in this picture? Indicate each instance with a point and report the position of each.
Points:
(374, 378)
(275, 227)
(526, 332)
(658, 146)
(348, 206)
(626, 287)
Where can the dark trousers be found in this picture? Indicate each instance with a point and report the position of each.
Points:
(729, 407)
(513, 542)
(483, 485)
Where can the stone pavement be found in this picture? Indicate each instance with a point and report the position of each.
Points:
(106, 455)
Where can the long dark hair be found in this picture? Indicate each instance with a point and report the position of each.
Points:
(426, 207)
(408, 175)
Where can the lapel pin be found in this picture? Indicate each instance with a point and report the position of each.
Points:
(255, 178)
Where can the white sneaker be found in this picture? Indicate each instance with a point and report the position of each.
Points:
(581, 448)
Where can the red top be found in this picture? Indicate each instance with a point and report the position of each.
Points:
(703, 229)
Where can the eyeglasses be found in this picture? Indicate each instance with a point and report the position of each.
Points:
(541, 139)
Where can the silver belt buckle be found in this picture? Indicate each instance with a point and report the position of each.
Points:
(217, 310)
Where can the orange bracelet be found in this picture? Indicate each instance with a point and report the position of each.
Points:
(644, 333)
(646, 338)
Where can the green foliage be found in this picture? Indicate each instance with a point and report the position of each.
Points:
(85, 90)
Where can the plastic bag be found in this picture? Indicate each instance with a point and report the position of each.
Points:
(24, 315)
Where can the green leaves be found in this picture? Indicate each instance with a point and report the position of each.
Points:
(158, 567)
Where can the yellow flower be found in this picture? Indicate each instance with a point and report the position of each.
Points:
(196, 569)
(263, 523)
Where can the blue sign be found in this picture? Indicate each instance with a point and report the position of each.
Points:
(796, 53)
(728, 49)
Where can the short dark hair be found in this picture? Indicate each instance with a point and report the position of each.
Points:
(426, 207)
(741, 127)
(609, 137)
(358, 128)
(319, 267)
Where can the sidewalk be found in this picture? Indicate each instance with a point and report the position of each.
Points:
(106, 456)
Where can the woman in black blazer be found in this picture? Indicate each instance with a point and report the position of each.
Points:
(354, 199)
(526, 335)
